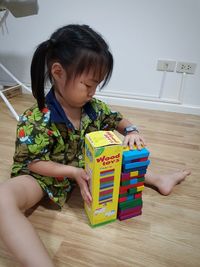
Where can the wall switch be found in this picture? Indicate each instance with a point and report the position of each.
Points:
(166, 65)
(186, 67)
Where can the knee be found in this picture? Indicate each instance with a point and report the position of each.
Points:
(7, 199)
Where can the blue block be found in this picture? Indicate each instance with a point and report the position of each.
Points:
(135, 165)
(130, 197)
(134, 154)
(133, 181)
(141, 170)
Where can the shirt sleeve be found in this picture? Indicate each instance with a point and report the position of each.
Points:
(33, 139)
(109, 119)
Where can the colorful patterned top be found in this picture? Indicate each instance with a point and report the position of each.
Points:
(49, 135)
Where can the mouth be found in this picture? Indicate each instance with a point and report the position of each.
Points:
(88, 100)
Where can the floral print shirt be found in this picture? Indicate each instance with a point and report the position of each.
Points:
(49, 135)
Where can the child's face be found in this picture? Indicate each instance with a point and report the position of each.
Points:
(77, 92)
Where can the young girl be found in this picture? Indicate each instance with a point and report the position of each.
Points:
(49, 155)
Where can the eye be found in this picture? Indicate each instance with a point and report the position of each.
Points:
(88, 85)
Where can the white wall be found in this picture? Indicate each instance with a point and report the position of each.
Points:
(139, 33)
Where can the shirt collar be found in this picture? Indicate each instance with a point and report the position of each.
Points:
(57, 113)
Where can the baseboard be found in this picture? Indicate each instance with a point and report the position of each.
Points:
(147, 102)
(151, 103)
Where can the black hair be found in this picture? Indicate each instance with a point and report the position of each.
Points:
(78, 48)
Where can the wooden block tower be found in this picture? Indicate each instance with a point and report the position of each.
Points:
(134, 166)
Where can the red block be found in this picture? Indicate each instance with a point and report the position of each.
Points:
(139, 160)
(123, 189)
(129, 178)
(138, 195)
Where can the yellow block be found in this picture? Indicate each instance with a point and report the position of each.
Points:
(140, 188)
(134, 174)
(103, 157)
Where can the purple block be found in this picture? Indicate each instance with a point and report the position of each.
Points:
(124, 217)
(129, 210)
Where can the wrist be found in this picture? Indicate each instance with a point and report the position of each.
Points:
(72, 172)
(130, 129)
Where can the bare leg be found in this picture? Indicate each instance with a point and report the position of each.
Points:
(17, 195)
(165, 182)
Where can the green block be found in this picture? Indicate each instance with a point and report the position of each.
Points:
(125, 183)
(123, 195)
(141, 179)
(132, 190)
(130, 203)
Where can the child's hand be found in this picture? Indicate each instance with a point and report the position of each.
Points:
(134, 138)
(82, 179)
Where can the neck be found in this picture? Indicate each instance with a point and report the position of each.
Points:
(72, 113)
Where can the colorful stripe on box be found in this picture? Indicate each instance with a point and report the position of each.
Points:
(106, 186)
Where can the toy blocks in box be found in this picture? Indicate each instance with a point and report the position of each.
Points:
(134, 166)
(103, 157)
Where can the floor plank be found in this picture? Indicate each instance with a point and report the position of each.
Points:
(167, 233)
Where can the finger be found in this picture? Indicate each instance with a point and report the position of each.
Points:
(87, 198)
(131, 144)
(125, 142)
(139, 143)
(85, 176)
(143, 141)
(86, 193)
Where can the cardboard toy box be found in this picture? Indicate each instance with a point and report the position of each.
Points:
(103, 158)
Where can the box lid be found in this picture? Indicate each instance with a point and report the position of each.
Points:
(103, 138)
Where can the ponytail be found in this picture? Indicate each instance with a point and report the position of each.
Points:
(78, 48)
(38, 66)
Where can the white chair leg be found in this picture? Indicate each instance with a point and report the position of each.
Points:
(9, 106)
(14, 78)
(3, 96)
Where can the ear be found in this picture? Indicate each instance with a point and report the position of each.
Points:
(57, 72)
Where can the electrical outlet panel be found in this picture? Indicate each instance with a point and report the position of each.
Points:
(186, 67)
(166, 65)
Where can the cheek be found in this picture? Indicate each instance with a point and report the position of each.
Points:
(81, 92)
(79, 95)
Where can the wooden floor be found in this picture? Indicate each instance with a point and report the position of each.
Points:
(168, 232)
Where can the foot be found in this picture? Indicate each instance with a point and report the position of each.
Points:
(166, 182)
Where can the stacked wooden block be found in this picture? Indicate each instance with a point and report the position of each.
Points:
(134, 167)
